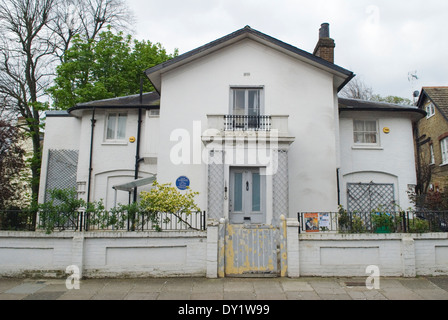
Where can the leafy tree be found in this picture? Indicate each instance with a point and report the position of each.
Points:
(392, 99)
(105, 68)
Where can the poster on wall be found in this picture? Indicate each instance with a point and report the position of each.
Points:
(324, 221)
(311, 222)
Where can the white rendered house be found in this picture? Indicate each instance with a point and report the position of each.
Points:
(253, 124)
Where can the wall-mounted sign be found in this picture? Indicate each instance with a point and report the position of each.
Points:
(182, 183)
(131, 139)
(386, 130)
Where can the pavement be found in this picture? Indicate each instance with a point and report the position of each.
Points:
(188, 289)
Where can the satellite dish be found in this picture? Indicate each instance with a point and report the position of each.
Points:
(416, 94)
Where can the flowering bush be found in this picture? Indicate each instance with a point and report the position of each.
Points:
(167, 199)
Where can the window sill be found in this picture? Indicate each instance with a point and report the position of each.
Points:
(366, 147)
(443, 164)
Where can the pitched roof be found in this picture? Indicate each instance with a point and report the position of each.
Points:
(346, 104)
(437, 95)
(154, 74)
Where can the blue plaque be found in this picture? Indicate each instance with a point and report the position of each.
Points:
(182, 183)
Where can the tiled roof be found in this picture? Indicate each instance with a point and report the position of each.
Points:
(438, 95)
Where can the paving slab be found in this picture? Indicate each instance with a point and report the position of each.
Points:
(46, 295)
(26, 288)
(238, 289)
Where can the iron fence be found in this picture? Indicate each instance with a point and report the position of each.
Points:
(17, 220)
(246, 122)
(141, 222)
(23, 220)
(373, 222)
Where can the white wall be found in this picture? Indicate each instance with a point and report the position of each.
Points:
(394, 254)
(392, 162)
(112, 163)
(195, 253)
(61, 133)
(103, 254)
(291, 87)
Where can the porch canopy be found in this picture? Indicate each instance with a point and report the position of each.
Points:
(130, 186)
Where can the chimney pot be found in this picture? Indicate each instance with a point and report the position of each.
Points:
(325, 45)
(324, 31)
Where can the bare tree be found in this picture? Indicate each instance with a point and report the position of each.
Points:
(26, 53)
(34, 35)
(87, 18)
(357, 89)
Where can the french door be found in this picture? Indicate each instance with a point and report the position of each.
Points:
(247, 196)
(246, 107)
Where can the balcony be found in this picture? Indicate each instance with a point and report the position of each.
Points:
(222, 128)
(247, 123)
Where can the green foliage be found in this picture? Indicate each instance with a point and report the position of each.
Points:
(61, 210)
(418, 225)
(350, 223)
(392, 99)
(382, 221)
(116, 217)
(343, 219)
(108, 67)
(165, 198)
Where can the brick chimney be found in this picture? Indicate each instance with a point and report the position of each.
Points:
(325, 45)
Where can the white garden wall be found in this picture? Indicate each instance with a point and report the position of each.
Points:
(195, 253)
(395, 254)
(103, 254)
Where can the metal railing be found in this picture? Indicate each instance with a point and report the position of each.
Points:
(247, 123)
(17, 220)
(140, 222)
(374, 222)
(22, 220)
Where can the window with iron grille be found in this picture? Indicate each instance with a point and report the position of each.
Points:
(365, 197)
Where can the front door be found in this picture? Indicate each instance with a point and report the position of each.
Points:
(247, 196)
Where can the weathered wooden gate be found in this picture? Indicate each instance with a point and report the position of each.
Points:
(252, 250)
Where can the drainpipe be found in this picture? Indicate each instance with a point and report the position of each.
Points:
(339, 189)
(139, 129)
(90, 164)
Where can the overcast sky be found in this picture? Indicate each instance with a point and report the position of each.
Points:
(380, 41)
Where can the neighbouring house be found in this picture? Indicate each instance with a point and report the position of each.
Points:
(377, 167)
(432, 139)
(253, 124)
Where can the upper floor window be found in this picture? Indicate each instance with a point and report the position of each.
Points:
(116, 126)
(430, 110)
(431, 154)
(365, 132)
(246, 101)
(444, 150)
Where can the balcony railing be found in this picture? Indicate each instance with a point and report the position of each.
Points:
(247, 123)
